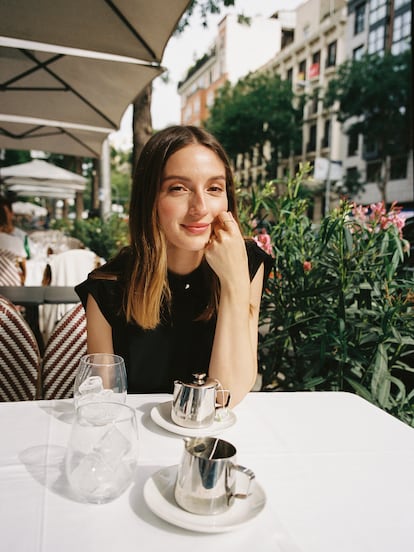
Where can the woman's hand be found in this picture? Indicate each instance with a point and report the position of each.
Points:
(226, 251)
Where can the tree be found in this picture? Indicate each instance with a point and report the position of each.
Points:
(259, 108)
(142, 121)
(121, 176)
(374, 100)
(14, 157)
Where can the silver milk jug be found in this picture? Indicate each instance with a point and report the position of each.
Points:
(194, 404)
(206, 476)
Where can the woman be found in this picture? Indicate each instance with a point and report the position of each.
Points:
(184, 297)
(12, 251)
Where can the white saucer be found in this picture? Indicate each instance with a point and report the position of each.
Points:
(159, 496)
(161, 415)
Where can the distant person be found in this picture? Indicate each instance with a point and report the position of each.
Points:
(12, 248)
(16, 237)
(185, 295)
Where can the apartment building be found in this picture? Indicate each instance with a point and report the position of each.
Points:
(238, 49)
(308, 63)
(306, 47)
(376, 26)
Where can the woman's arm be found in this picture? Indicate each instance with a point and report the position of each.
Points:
(99, 331)
(234, 355)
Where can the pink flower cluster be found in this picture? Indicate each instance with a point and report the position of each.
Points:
(376, 216)
(263, 241)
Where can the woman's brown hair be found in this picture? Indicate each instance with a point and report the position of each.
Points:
(147, 290)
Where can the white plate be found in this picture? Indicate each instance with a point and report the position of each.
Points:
(159, 496)
(161, 415)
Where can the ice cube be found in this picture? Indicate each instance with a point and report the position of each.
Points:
(92, 384)
(112, 447)
(93, 477)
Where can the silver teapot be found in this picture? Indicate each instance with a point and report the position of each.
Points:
(194, 404)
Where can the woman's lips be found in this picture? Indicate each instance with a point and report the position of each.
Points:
(196, 228)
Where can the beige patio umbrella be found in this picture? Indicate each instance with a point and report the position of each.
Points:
(67, 90)
(138, 29)
(41, 178)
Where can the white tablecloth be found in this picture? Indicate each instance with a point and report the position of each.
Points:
(337, 471)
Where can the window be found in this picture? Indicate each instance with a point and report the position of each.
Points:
(353, 139)
(377, 11)
(374, 171)
(196, 107)
(376, 40)
(370, 149)
(313, 106)
(401, 33)
(351, 174)
(312, 139)
(331, 57)
(359, 22)
(358, 53)
(400, 3)
(326, 140)
(289, 75)
(210, 98)
(398, 167)
(314, 68)
(287, 37)
(302, 70)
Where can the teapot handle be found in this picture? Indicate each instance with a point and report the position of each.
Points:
(220, 389)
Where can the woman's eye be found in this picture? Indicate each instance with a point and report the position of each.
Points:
(216, 188)
(177, 188)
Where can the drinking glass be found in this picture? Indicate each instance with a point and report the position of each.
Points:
(102, 452)
(100, 377)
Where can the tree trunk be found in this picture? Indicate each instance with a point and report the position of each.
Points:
(384, 178)
(141, 123)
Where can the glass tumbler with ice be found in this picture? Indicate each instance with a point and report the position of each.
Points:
(102, 451)
(100, 377)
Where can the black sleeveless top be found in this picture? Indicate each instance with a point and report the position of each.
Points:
(180, 345)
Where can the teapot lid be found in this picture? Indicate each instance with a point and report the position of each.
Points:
(200, 380)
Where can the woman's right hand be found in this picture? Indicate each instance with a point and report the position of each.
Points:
(226, 251)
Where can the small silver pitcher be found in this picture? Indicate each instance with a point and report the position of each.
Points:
(206, 477)
(194, 404)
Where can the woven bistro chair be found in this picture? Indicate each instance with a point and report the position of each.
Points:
(19, 356)
(64, 349)
(10, 275)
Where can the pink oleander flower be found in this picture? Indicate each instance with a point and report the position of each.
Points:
(379, 218)
(359, 212)
(307, 266)
(263, 241)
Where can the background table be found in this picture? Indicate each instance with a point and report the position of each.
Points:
(338, 474)
(32, 297)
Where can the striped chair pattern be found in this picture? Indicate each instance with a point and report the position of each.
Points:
(9, 272)
(19, 356)
(65, 347)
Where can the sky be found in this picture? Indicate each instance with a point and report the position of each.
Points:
(179, 56)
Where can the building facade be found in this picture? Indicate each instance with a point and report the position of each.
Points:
(375, 27)
(308, 63)
(306, 47)
(231, 57)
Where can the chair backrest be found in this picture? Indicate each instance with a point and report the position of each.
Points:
(19, 355)
(66, 269)
(72, 266)
(66, 346)
(9, 272)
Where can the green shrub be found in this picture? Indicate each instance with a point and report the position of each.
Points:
(338, 312)
(104, 237)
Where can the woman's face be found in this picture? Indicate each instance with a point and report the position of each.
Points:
(192, 194)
